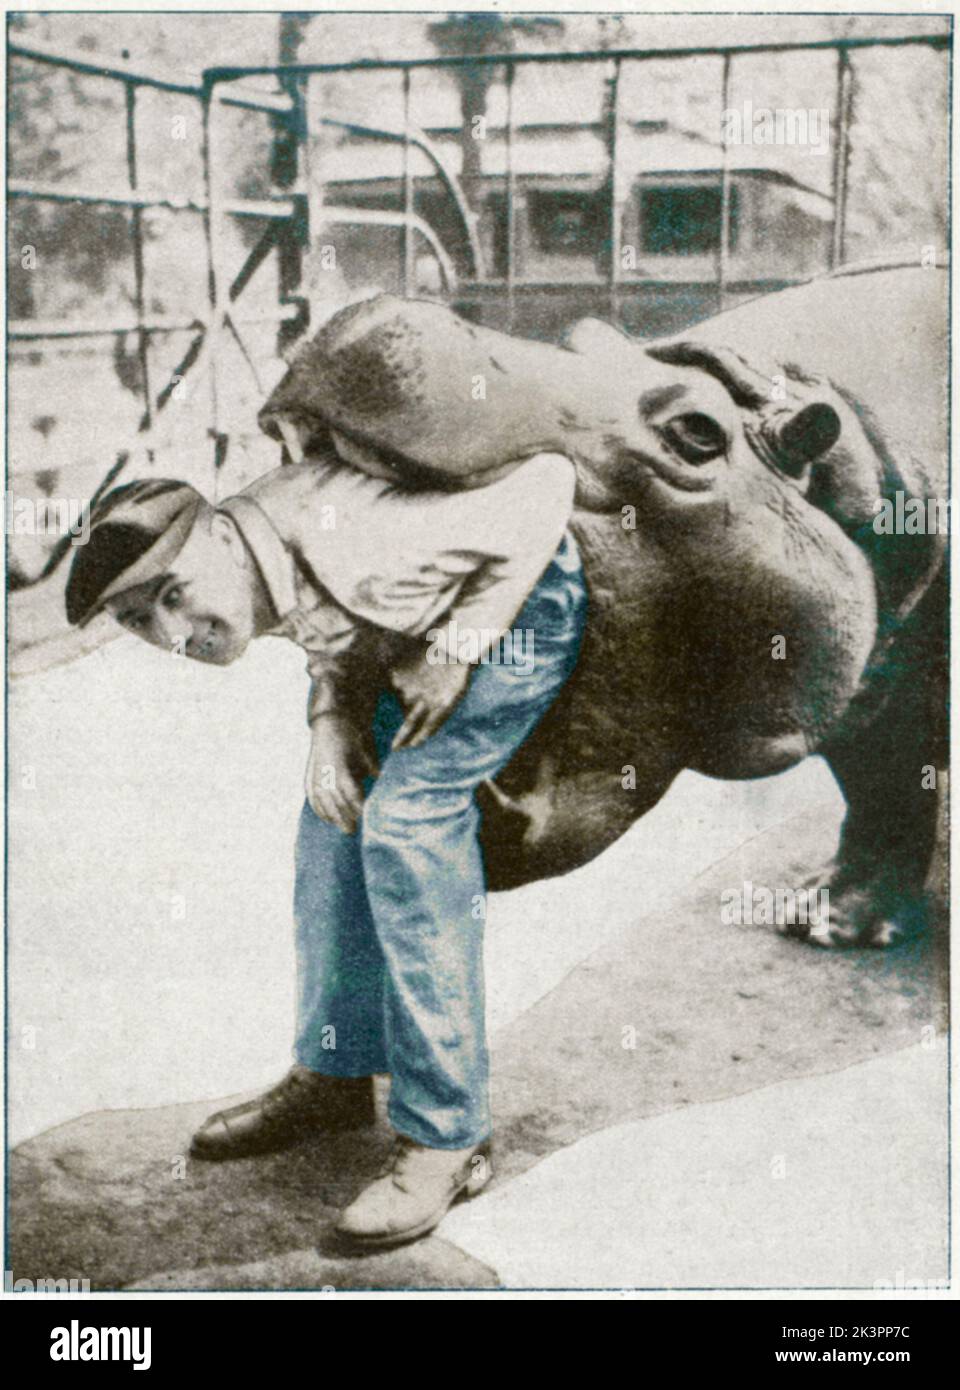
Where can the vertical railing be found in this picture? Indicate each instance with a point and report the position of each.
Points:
(613, 174)
(841, 157)
(139, 279)
(407, 233)
(290, 215)
(308, 158)
(213, 232)
(723, 245)
(511, 201)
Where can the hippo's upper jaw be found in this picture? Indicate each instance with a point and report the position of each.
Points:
(408, 390)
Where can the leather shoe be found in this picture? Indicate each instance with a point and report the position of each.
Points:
(413, 1192)
(305, 1103)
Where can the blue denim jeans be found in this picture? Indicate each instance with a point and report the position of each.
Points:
(389, 921)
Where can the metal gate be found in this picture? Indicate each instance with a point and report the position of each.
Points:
(297, 207)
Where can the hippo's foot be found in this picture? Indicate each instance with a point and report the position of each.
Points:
(858, 908)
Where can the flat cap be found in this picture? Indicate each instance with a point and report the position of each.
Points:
(136, 531)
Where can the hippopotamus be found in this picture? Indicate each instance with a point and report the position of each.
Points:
(747, 606)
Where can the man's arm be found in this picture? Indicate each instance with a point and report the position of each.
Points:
(534, 505)
(340, 694)
(405, 560)
(332, 675)
(415, 563)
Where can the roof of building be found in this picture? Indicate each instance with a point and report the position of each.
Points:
(579, 151)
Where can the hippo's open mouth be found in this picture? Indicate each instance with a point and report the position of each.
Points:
(353, 449)
(368, 457)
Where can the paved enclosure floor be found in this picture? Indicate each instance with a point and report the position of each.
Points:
(153, 811)
(832, 1181)
(777, 1115)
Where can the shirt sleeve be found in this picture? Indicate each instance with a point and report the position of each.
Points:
(328, 684)
(348, 670)
(336, 658)
(532, 506)
(416, 562)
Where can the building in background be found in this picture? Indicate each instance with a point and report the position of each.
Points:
(779, 227)
(75, 403)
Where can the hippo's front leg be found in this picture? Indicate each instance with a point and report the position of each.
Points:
(891, 771)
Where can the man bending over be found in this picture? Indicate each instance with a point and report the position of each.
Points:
(391, 593)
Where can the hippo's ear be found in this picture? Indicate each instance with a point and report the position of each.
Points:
(789, 428)
(746, 385)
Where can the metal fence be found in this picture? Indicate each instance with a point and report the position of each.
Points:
(298, 205)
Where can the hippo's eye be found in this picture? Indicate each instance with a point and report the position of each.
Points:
(696, 437)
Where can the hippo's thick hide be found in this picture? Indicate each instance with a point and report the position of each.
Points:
(744, 609)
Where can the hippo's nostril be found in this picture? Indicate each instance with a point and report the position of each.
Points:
(804, 436)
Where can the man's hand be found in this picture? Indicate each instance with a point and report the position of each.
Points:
(429, 693)
(335, 770)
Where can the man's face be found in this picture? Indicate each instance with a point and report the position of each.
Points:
(204, 607)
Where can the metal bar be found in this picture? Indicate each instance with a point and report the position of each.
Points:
(407, 191)
(488, 288)
(232, 74)
(28, 330)
(245, 353)
(638, 219)
(723, 246)
(419, 139)
(314, 156)
(235, 207)
(212, 235)
(613, 142)
(289, 169)
(376, 217)
(122, 72)
(188, 360)
(313, 162)
(258, 254)
(136, 230)
(511, 202)
(841, 159)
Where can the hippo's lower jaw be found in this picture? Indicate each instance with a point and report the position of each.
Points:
(367, 457)
(380, 463)
(545, 828)
(756, 755)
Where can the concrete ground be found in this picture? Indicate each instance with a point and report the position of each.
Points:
(832, 1181)
(153, 806)
(678, 1103)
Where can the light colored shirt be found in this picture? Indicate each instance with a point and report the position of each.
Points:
(339, 550)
